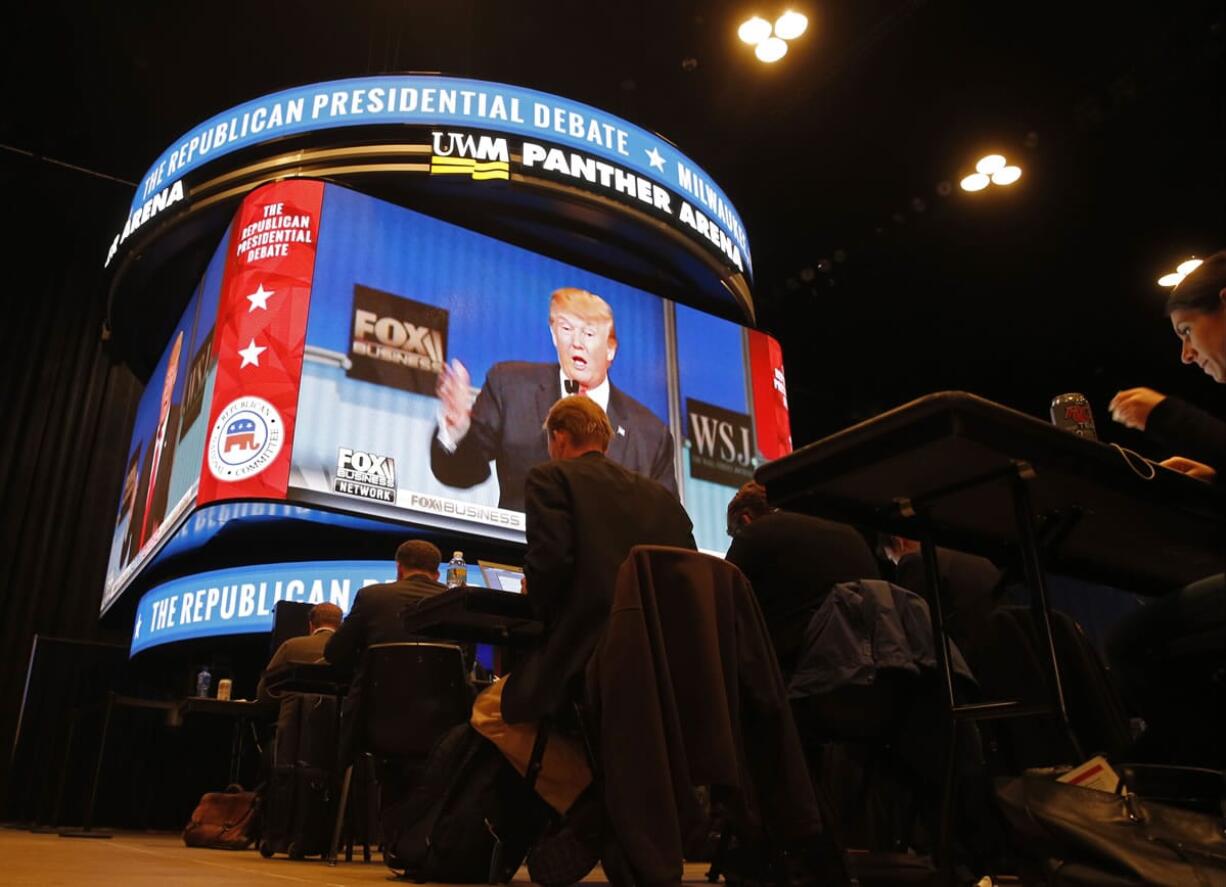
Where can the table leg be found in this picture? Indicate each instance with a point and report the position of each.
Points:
(87, 829)
(944, 856)
(1040, 606)
(236, 750)
(65, 768)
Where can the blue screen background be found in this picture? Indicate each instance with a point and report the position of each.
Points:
(497, 294)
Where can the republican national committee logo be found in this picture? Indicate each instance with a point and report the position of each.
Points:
(246, 438)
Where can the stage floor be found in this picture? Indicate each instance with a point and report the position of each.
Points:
(138, 859)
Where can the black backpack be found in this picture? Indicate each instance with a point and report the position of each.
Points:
(471, 820)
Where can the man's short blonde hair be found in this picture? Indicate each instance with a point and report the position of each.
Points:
(582, 419)
(584, 305)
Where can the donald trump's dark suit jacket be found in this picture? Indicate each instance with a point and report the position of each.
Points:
(584, 515)
(506, 427)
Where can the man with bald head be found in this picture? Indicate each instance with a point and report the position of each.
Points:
(503, 424)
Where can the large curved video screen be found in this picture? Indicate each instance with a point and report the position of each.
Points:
(346, 352)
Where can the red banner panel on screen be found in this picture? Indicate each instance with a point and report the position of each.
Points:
(259, 342)
(770, 396)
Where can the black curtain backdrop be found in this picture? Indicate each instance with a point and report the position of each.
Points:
(66, 409)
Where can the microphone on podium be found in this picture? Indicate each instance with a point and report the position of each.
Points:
(571, 386)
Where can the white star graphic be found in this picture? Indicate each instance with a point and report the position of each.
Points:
(259, 299)
(136, 633)
(251, 354)
(655, 158)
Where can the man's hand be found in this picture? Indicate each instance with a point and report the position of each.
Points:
(454, 391)
(1190, 467)
(1132, 406)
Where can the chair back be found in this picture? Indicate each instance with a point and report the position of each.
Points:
(413, 693)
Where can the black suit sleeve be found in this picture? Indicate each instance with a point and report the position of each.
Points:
(348, 641)
(469, 465)
(549, 562)
(1189, 432)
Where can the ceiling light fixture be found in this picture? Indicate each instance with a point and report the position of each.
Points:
(770, 42)
(1174, 278)
(993, 169)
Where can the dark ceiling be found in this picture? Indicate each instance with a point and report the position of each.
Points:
(879, 287)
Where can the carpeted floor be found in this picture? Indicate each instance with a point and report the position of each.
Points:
(135, 859)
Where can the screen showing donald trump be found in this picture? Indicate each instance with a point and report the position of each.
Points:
(433, 354)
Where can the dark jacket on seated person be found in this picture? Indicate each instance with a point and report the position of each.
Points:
(302, 650)
(377, 617)
(968, 595)
(584, 515)
(792, 561)
(1189, 431)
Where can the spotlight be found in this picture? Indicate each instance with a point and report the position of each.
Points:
(1186, 268)
(771, 50)
(753, 31)
(790, 25)
(1006, 175)
(976, 181)
(1171, 279)
(990, 164)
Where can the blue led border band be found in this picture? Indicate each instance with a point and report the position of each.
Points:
(444, 101)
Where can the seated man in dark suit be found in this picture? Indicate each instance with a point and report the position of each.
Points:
(584, 512)
(791, 560)
(377, 617)
(969, 585)
(504, 423)
(322, 621)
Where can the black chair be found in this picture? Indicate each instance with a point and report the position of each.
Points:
(410, 694)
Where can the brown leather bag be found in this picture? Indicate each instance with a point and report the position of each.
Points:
(224, 820)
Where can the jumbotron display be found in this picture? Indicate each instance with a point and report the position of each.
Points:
(349, 353)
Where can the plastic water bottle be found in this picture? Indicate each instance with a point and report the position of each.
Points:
(457, 570)
(203, 681)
